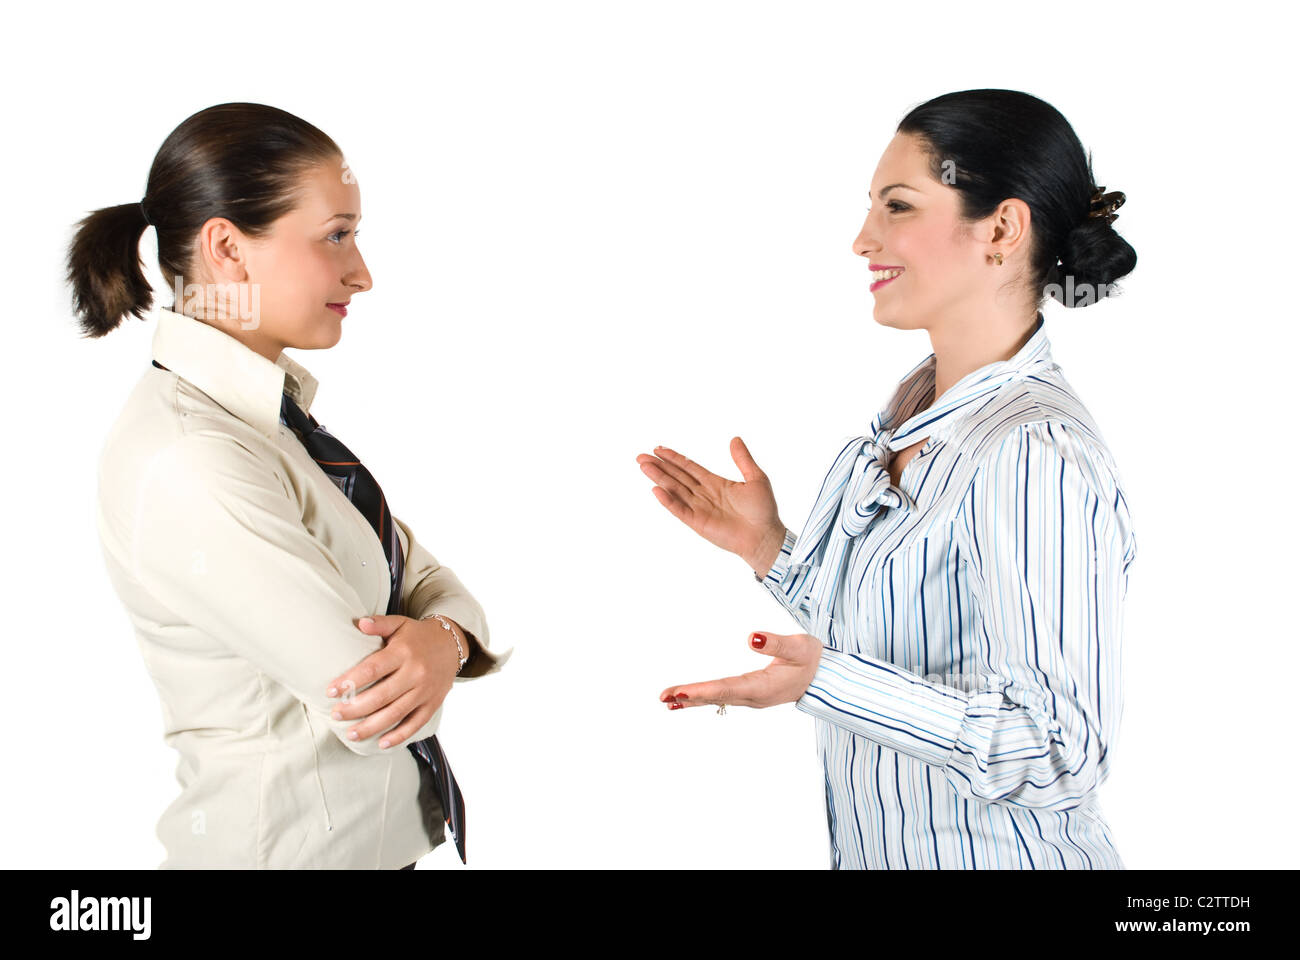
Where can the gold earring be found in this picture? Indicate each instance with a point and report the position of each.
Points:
(997, 258)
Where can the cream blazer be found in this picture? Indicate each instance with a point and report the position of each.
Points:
(243, 569)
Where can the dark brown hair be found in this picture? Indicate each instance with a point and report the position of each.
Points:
(241, 161)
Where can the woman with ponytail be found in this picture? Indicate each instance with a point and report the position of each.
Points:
(301, 640)
(961, 576)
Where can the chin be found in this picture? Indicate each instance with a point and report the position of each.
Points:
(886, 317)
(897, 317)
(323, 336)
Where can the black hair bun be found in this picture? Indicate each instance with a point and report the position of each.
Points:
(1095, 256)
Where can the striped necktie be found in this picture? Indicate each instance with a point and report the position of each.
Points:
(361, 488)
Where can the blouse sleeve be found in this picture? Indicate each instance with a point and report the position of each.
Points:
(220, 542)
(1048, 541)
(791, 587)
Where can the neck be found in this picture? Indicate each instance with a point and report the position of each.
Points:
(962, 348)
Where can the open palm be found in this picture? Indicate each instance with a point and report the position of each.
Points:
(738, 516)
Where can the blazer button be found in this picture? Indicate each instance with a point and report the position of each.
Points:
(363, 563)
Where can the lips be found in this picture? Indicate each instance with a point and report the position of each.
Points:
(881, 283)
(340, 308)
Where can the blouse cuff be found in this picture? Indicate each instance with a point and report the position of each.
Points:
(780, 569)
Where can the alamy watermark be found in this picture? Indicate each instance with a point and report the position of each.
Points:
(1079, 294)
(102, 913)
(221, 301)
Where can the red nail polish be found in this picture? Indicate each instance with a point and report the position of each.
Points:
(758, 640)
(675, 706)
(682, 696)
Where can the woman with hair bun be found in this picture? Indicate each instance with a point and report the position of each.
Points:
(961, 577)
(297, 632)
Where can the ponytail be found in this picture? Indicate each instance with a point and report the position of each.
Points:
(105, 269)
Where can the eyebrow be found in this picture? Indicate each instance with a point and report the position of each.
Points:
(885, 190)
(338, 216)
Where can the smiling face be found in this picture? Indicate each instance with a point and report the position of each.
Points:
(308, 260)
(947, 271)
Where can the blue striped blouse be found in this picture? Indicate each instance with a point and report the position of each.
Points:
(969, 691)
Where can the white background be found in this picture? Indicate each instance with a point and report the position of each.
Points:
(597, 227)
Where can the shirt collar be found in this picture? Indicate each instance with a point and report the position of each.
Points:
(235, 376)
(942, 418)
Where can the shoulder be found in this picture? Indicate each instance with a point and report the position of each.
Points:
(1042, 408)
(167, 423)
(1039, 428)
(182, 473)
(168, 481)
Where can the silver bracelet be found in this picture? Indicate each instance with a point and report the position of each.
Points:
(460, 651)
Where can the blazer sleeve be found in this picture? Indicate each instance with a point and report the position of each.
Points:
(1048, 542)
(428, 587)
(220, 542)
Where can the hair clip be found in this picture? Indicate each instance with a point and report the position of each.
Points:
(1105, 204)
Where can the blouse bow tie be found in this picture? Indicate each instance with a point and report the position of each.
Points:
(868, 488)
(855, 489)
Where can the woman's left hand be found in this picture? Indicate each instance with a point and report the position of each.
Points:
(403, 682)
(784, 680)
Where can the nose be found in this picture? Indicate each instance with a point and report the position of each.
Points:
(865, 243)
(358, 276)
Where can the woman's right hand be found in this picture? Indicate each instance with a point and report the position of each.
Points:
(739, 517)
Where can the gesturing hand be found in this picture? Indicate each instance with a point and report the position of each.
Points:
(784, 680)
(740, 517)
(414, 670)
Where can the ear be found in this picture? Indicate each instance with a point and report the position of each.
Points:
(1011, 221)
(222, 252)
